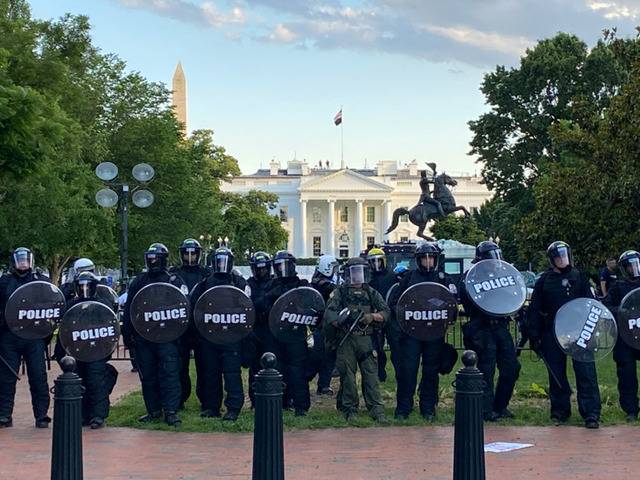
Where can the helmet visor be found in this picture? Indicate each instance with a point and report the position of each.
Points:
(222, 264)
(190, 256)
(631, 267)
(357, 274)
(429, 261)
(23, 260)
(84, 289)
(561, 257)
(493, 255)
(377, 263)
(283, 267)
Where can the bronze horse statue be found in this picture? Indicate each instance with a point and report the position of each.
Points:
(422, 213)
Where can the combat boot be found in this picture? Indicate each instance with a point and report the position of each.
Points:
(150, 417)
(6, 422)
(172, 419)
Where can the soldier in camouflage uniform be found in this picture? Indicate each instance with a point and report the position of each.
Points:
(355, 301)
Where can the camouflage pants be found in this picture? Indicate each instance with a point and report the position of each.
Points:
(356, 351)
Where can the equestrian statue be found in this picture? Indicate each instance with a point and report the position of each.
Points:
(432, 205)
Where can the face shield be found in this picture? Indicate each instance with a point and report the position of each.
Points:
(85, 289)
(356, 274)
(428, 262)
(377, 263)
(561, 257)
(190, 256)
(631, 268)
(493, 255)
(155, 262)
(284, 268)
(222, 264)
(23, 260)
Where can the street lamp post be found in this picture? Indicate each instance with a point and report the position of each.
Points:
(118, 194)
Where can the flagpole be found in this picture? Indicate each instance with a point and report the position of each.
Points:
(341, 142)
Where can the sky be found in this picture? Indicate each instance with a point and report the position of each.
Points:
(268, 76)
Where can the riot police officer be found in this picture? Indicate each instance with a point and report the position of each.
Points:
(561, 283)
(429, 269)
(490, 338)
(13, 348)
(218, 362)
(382, 280)
(158, 363)
(292, 357)
(625, 356)
(323, 361)
(98, 377)
(191, 272)
(254, 345)
(355, 348)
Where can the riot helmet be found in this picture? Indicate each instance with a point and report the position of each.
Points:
(22, 261)
(190, 252)
(83, 265)
(560, 257)
(327, 266)
(377, 260)
(85, 285)
(356, 272)
(630, 265)
(155, 258)
(222, 260)
(284, 264)
(260, 265)
(488, 250)
(428, 257)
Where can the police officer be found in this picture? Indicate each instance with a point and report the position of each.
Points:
(254, 344)
(79, 266)
(98, 377)
(217, 361)
(323, 360)
(292, 357)
(365, 305)
(490, 338)
(428, 256)
(158, 363)
(382, 280)
(626, 357)
(191, 272)
(13, 348)
(561, 283)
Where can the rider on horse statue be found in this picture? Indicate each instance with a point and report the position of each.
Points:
(427, 196)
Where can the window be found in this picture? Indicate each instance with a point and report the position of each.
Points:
(404, 218)
(317, 215)
(404, 239)
(284, 214)
(371, 214)
(343, 251)
(344, 214)
(371, 241)
(317, 247)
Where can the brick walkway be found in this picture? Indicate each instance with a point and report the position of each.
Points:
(352, 454)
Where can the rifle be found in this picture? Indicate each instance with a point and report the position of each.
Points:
(346, 314)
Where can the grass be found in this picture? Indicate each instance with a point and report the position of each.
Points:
(530, 405)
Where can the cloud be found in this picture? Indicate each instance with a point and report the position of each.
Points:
(282, 34)
(616, 10)
(206, 14)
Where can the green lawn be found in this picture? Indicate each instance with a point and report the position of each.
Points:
(530, 405)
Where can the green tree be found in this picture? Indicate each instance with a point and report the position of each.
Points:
(460, 228)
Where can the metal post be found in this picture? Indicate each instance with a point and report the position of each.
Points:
(124, 198)
(66, 452)
(468, 443)
(268, 447)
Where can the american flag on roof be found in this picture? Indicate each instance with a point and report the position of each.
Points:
(338, 118)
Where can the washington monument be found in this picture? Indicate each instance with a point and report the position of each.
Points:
(179, 98)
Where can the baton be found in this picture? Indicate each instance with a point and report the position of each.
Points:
(6, 364)
(553, 375)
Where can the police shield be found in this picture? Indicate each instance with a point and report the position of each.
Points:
(224, 314)
(34, 309)
(425, 309)
(390, 292)
(629, 319)
(496, 287)
(107, 295)
(89, 331)
(585, 329)
(160, 312)
(294, 311)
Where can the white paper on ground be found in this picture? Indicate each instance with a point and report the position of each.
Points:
(499, 447)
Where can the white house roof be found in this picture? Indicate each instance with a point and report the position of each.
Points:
(344, 181)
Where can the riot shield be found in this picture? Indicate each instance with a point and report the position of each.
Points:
(108, 296)
(224, 314)
(585, 329)
(390, 292)
(160, 312)
(89, 331)
(629, 319)
(425, 310)
(293, 312)
(496, 287)
(34, 310)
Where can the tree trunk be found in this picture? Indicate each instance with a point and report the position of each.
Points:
(56, 266)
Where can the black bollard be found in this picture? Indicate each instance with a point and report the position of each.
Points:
(468, 442)
(268, 447)
(66, 455)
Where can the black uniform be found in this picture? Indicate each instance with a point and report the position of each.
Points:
(292, 357)
(216, 361)
(158, 363)
(382, 281)
(255, 344)
(490, 338)
(322, 361)
(552, 290)
(624, 356)
(13, 349)
(412, 350)
(191, 275)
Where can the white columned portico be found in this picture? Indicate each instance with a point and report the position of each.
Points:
(303, 228)
(386, 217)
(331, 221)
(358, 229)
